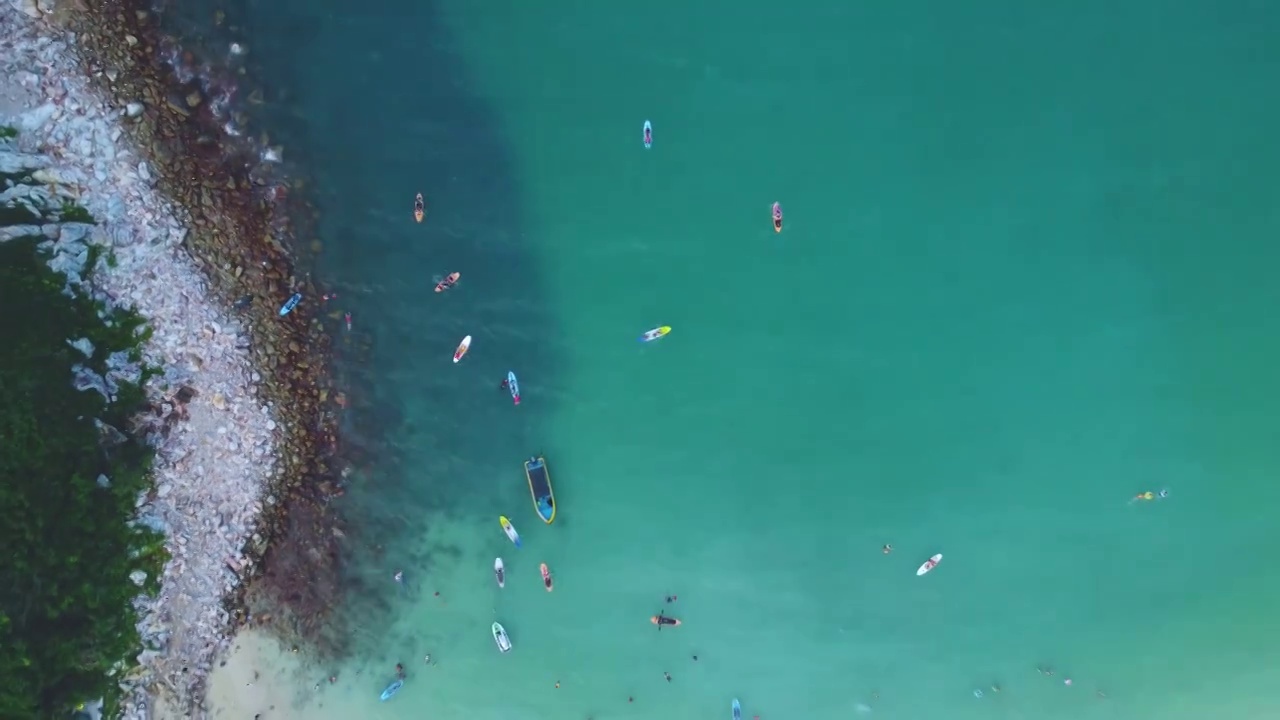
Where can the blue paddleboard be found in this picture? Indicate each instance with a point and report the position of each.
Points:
(737, 710)
(513, 386)
(291, 304)
(392, 689)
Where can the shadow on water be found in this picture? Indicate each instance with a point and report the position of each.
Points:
(372, 105)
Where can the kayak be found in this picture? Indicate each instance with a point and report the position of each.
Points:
(290, 304)
(419, 208)
(648, 134)
(463, 347)
(777, 217)
(392, 689)
(499, 572)
(509, 529)
(929, 564)
(546, 577)
(500, 637)
(737, 710)
(448, 282)
(655, 333)
(513, 386)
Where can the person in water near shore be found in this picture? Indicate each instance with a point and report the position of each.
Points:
(399, 671)
(886, 549)
(666, 675)
(672, 598)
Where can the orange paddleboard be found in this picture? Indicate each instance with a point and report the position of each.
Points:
(448, 282)
(419, 208)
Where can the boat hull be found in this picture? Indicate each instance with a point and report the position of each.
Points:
(544, 499)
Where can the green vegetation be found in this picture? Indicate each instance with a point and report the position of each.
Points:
(67, 494)
(8, 132)
(72, 212)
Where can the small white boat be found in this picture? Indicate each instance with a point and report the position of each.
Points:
(499, 572)
(500, 637)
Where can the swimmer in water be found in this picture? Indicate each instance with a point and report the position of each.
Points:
(886, 549)
(672, 598)
(399, 671)
(399, 577)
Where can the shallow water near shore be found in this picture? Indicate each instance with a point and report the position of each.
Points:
(1025, 274)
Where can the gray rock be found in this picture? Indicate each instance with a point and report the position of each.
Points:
(34, 119)
(31, 8)
(16, 231)
(83, 345)
(103, 481)
(108, 436)
(85, 379)
(133, 109)
(138, 577)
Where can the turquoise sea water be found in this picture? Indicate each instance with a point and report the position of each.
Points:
(1027, 272)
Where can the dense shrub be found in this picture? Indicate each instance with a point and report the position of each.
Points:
(68, 488)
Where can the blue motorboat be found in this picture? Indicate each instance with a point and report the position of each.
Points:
(544, 500)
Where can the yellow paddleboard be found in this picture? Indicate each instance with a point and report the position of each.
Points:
(509, 529)
(655, 333)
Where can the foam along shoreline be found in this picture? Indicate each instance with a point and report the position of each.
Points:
(215, 440)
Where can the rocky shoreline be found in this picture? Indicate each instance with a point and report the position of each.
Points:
(197, 239)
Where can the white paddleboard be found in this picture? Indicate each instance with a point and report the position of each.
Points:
(929, 564)
(500, 637)
(462, 348)
(499, 572)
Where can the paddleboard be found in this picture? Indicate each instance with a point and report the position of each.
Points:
(655, 333)
(419, 208)
(737, 710)
(929, 564)
(290, 304)
(777, 217)
(546, 577)
(509, 529)
(463, 347)
(499, 572)
(392, 689)
(648, 134)
(655, 621)
(514, 387)
(448, 282)
(500, 637)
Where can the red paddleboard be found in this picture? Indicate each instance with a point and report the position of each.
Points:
(448, 282)
(546, 577)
